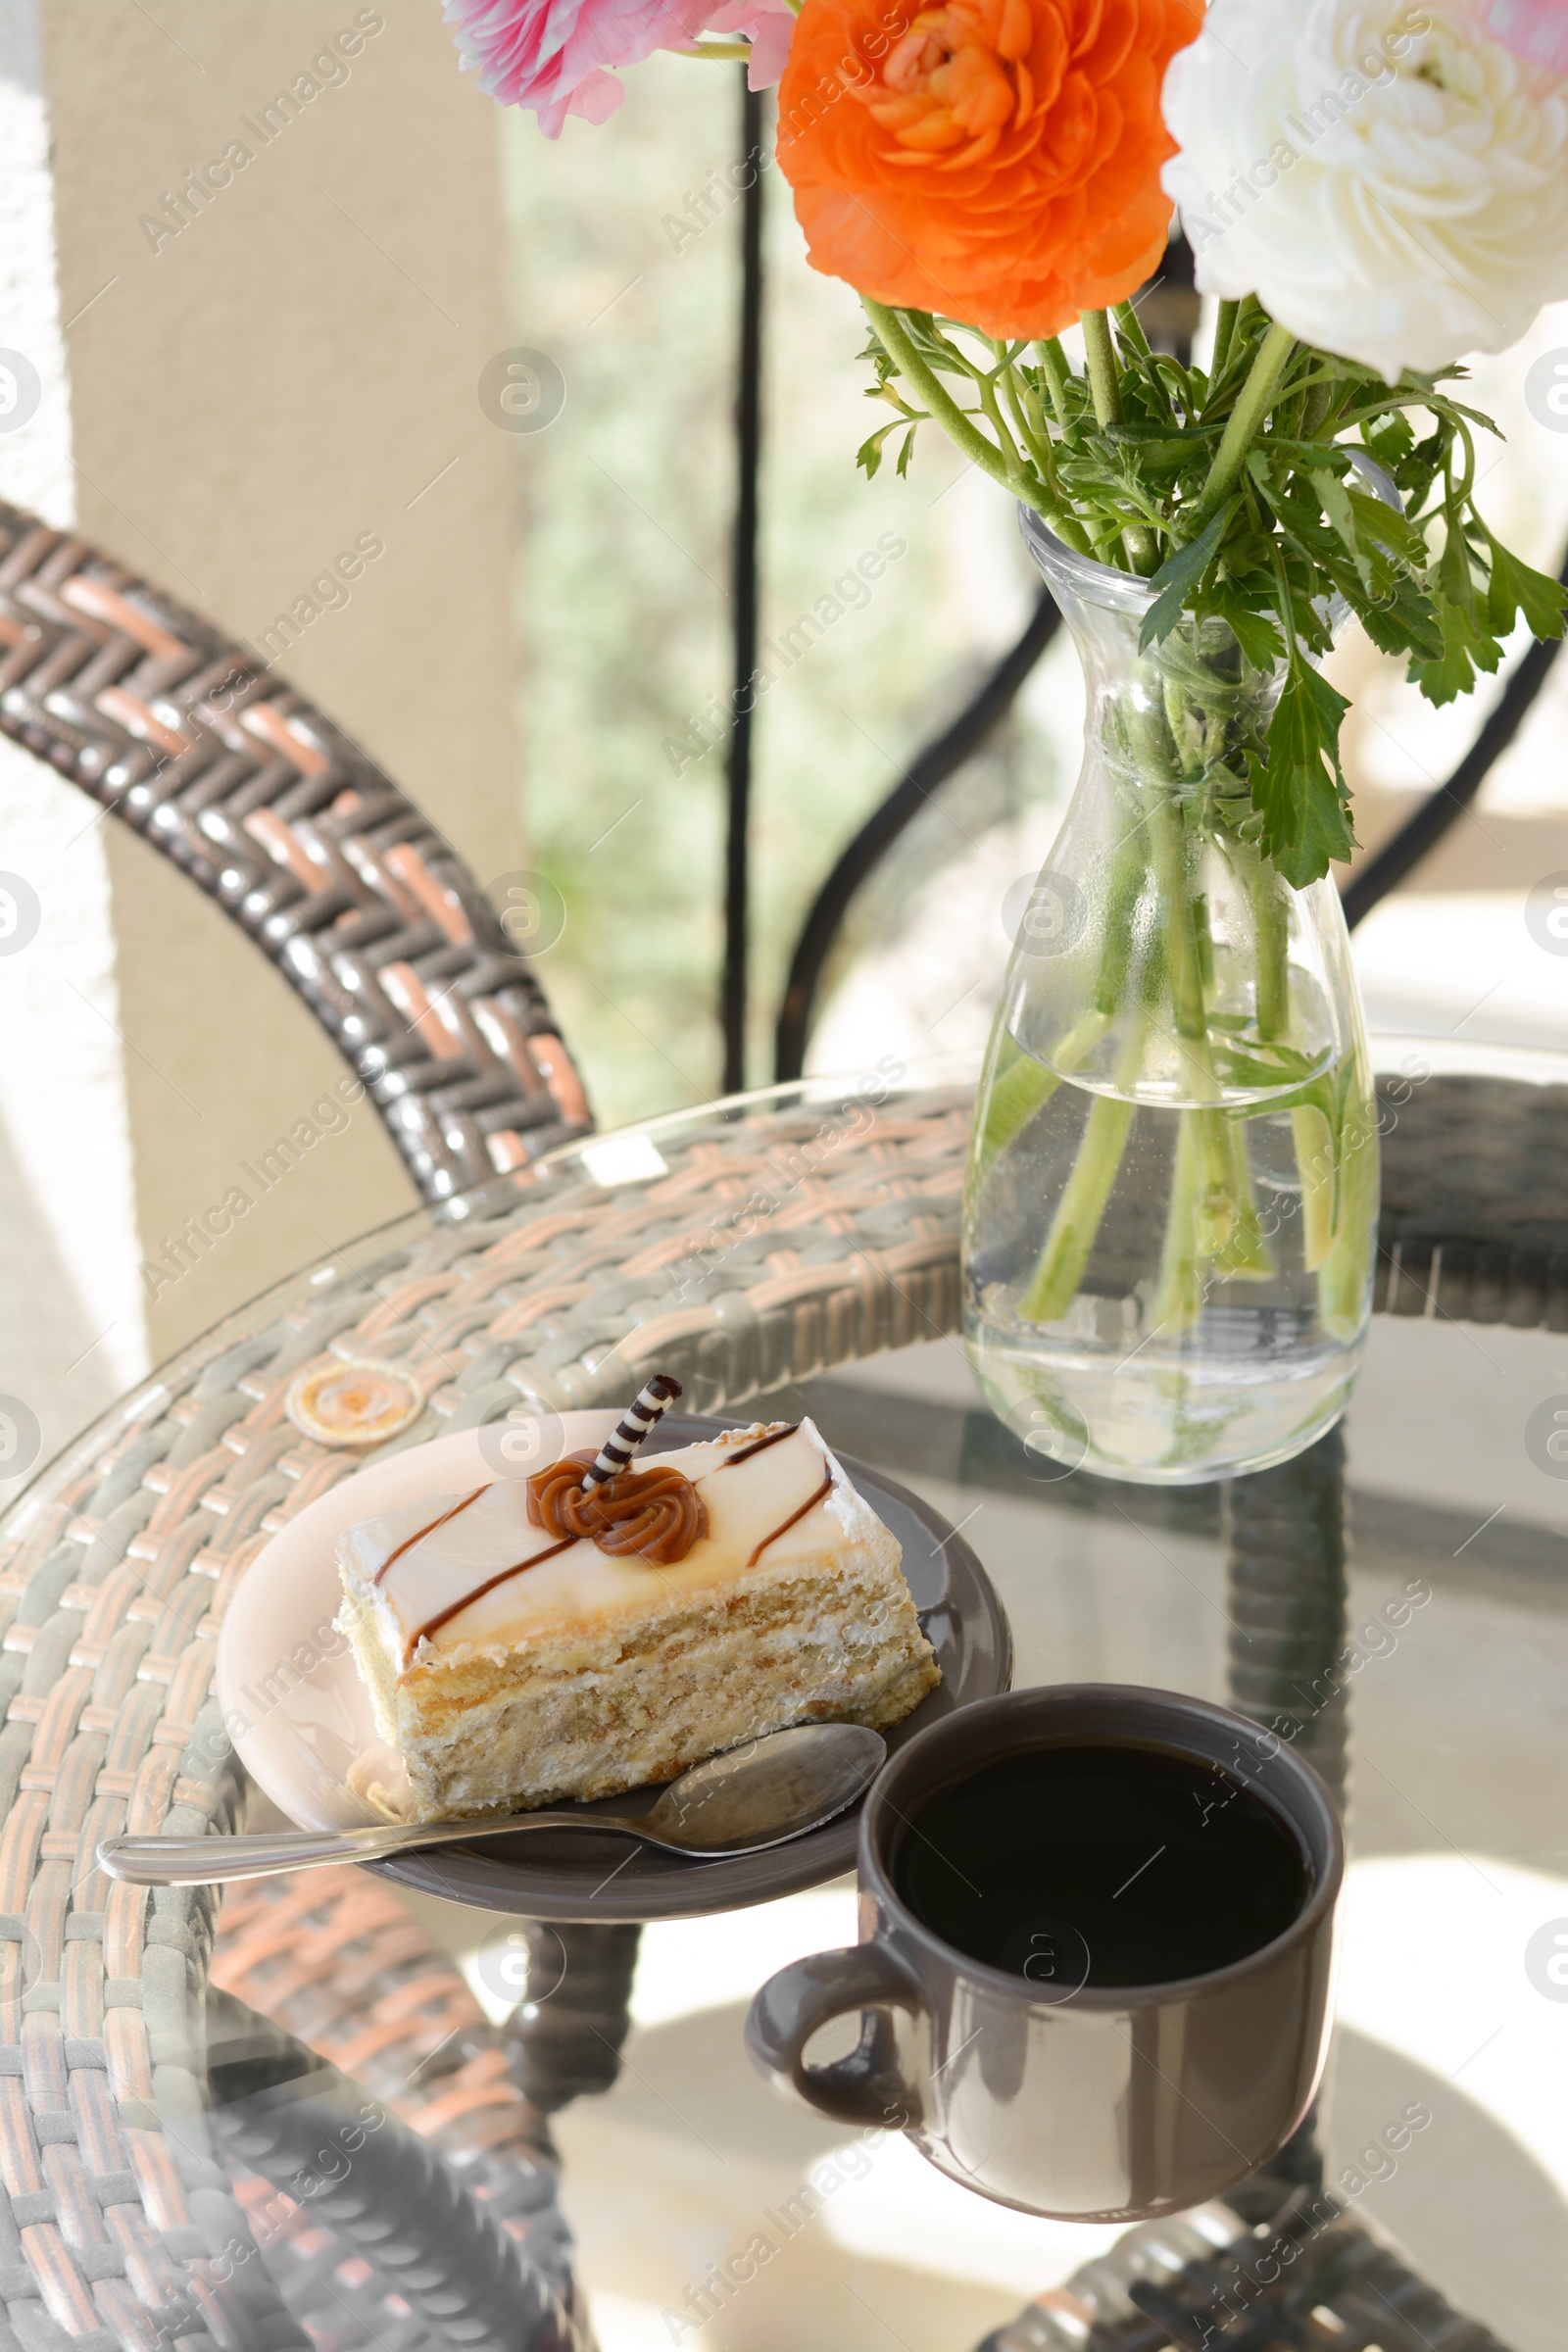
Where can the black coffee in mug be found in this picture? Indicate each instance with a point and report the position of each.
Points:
(1169, 1864)
(1104, 1863)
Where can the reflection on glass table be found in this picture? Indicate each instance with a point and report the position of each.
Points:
(1424, 1662)
(791, 1252)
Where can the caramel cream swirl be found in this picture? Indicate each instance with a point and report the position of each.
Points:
(656, 1512)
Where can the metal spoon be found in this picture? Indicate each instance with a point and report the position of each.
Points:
(762, 1795)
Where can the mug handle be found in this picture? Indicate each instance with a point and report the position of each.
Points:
(865, 2087)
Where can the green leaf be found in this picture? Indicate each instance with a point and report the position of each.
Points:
(1466, 648)
(1383, 529)
(1390, 439)
(1261, 1067)
(1457, 579)
(1456, 408)
(1515, 588)
(1180, 574)
(1405, 622)
(934, 347)
(1299, 789)
(1255, 632)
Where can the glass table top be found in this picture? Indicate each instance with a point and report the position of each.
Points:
(1449, 1692)
(1447, 1698)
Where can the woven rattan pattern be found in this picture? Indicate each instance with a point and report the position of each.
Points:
(335, 1960)
(1474, 1221)
(772, 1247)
(335, 874)
(115, 1567)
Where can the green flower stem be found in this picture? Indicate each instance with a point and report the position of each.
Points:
(1104, 377)
(1271, 951)
(1071, 532)
(1181, 935)
(1024, 402)
(1179, 1298)
(1156, 754)
(1127, 878)
(1026, 1086)
(1246, 1255)
(1224, 330)
(986, 391)
(954, 421)
(1342, 1280)
(1215, 1201)
(1024, 405)
(1104, 389)
(1246, 421)
(1203, 940)
(1030, 421)
(1055, 1280)
(1017, 1092)
(1311, 1134)
(1131, 330)
(1057, 372)
(1064, 1255)
(1320, 401)
(1218, 1206)
(1206, 1140)
(1312, 1138)
(1210, 1198)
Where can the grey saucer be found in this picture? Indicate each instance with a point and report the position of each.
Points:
(550, 1873)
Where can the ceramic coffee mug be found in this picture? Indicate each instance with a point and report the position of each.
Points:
(1102, 2104)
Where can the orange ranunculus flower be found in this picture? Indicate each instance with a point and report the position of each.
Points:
(995, 161)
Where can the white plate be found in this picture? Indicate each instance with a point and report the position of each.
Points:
(300, 1717)
(291, 1698)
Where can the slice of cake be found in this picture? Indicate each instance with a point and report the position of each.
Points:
(527, 1642)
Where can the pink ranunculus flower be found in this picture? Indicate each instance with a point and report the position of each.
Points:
(768, 25)
(557, 57)
(560, 57)
(1537, 30)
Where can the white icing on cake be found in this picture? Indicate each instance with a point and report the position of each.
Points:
(746, 1503)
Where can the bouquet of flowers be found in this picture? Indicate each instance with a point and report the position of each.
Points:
(1172, 1194)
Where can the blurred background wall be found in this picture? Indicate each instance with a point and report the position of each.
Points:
(228, 405)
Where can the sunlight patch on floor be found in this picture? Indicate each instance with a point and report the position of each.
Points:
(1434, 1965)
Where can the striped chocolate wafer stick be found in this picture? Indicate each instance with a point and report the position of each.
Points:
(617, 1450)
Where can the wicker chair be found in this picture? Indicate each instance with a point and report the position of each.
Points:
(139, 2133)
(377, 922)
(277, 815)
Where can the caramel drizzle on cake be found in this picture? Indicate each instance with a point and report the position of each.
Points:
(657, 1512)
(433, 1625)
(419, 1532)
(783, 1528)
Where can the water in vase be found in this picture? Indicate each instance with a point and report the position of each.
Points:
(1163, 1291)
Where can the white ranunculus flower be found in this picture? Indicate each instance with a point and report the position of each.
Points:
(1388, 179)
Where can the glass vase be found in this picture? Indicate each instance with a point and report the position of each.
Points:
(1172, 1194)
